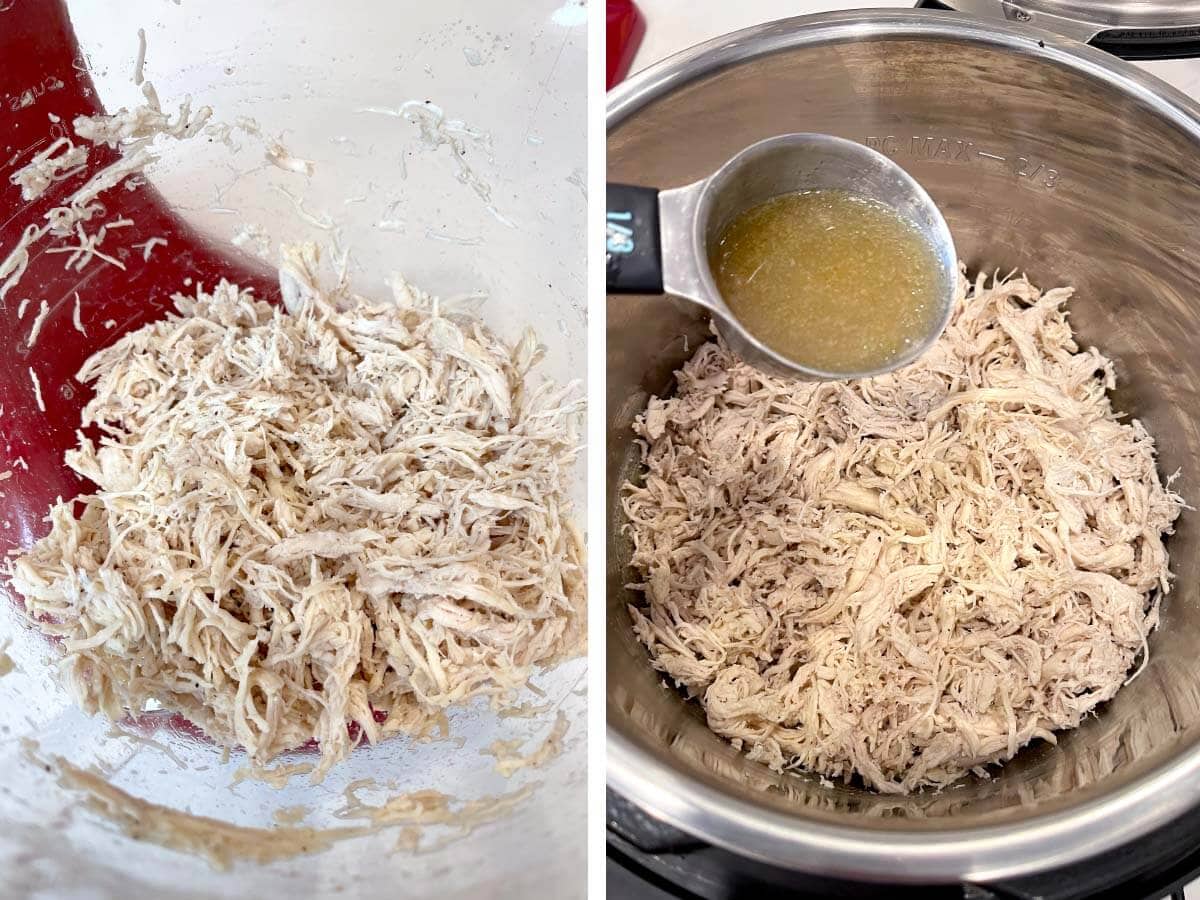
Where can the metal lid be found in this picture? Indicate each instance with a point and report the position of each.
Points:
(1131, 29)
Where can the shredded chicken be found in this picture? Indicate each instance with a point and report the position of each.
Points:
(37, 390)
(134, 131)
(909, 577)
(316, 220)
(87, 249)
(139, 64)
(147, 246)
(48, 167)
(278, 155)
(309, 517)
(137, 127)
(277, 776)
(290, 815)
(38, 321)
(253, 238)
(76, 322)
(13, 266)
(510, 759)
(6, 662)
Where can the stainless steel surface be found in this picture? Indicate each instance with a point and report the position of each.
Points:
(1084, 20)
(1044, 155)
(692, 218)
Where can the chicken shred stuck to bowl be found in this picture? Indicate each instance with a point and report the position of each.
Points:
(339, 512)
(910, 577)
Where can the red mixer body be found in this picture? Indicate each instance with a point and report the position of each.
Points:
(45, 75)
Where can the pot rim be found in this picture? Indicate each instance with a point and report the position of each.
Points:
(1046, 840)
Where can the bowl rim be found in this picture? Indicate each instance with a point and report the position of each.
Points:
(1045, 840)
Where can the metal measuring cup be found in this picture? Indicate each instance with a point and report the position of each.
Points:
(657, 241)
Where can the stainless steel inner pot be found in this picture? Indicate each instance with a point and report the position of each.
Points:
(1043, 155)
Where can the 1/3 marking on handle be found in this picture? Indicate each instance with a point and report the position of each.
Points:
(618, 232)
(633, 249)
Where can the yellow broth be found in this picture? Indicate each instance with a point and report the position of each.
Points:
(828, 279)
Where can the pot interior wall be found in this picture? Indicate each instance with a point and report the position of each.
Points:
(1037, 166)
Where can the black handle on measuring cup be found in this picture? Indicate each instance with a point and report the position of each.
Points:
(632, 243)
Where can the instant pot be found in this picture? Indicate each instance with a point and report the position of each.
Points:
(1044, 155)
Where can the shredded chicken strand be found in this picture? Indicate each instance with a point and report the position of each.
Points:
(61, 160)
(908, 577)
(307, 517)
(510, 759)
(134, 132)
(36, 328)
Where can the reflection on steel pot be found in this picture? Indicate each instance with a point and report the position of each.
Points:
(1130, 29)
(1042, 154)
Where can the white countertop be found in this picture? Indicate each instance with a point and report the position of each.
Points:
(674, 25)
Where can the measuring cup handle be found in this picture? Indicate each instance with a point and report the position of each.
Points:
(632, 243)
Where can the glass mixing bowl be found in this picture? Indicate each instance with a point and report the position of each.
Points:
(499, 212)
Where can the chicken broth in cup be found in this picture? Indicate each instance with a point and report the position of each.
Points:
(829, 279)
